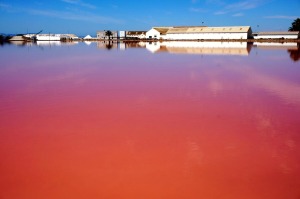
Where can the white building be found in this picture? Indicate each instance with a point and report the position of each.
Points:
(103, 35)
(136, 34)
(122, 34)
(48, 37)
(277, 35)
(55, 37)
(200, 32)
(157, 33)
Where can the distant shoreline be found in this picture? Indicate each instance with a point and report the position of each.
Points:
(201, 40)
(181, 40)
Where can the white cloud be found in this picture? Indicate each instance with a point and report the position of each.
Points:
(82, 16)
(80, 3)
(197, 10)
(238, 14)
(3, 5)
(245, 5)
(235, 7)
(281, 17)
(220, 13)
(215, 2)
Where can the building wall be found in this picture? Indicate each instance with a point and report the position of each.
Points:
(48, 37)
(216, 44)
(191, 36)
(140, 36)
(122, 34)
(101, 35)
(153, 34)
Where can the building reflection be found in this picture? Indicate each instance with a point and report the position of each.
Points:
(214, 48)
(42, 43)
(119, 45)
(292, 48)
(217, 48)
(108, 45)
(295, 53)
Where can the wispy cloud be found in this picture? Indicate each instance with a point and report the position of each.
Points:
(7, 7)
(114, 6)
(3, 5)
(238, 14)
(81, 16)
(220, 13)
(80, 3)
(235, 7)
(244, 5)
(281, 17)
(215, 2)
(198, 10)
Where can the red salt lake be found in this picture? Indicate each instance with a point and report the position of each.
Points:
(163, 121)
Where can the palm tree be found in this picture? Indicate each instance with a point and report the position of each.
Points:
(295, 25)
(108, 34)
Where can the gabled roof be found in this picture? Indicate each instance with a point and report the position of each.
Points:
(162, 30)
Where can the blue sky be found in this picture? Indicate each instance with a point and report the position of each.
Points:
(84, 17)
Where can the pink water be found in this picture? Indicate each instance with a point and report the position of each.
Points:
(82, 122)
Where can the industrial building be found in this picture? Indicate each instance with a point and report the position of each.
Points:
(277, 35)
(199, 33)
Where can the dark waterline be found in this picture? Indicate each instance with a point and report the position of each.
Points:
(149, 121)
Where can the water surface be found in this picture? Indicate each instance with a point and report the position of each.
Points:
(149, 120)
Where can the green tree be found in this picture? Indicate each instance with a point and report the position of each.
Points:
(295, 25)
(108, 34)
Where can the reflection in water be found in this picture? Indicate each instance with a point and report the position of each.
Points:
(295, 53)
(107, 44)
(292, 48)
(79, 123)
(219, 48)
(276, 46)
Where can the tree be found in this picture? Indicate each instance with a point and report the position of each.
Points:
(295, 25)
(108, 34)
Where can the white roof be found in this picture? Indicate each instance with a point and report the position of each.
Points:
(88, 37)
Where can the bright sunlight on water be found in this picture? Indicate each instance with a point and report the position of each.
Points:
(150, 120)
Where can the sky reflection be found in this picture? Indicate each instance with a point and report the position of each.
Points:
(79, 122)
